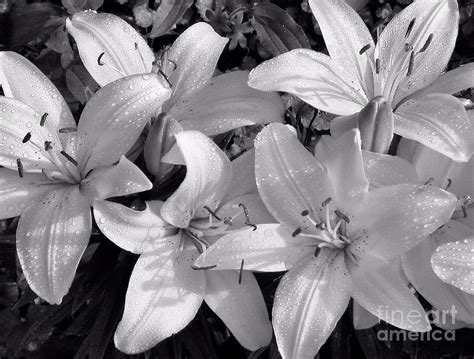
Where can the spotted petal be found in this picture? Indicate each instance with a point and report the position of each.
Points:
(51, 237)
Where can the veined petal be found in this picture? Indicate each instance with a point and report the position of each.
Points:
(124, 50)
(449, 83)
(115, 116)
(385, 170)
(438, 18)
(269, 248)
(384, 294)
(195, 53)
(342, 158)
(23, 81)
(163, 296)
(243, 176)
(227, 102)
(17, 194)
(51, 237)
(439, 122)
(121, 179)
(134, 231)
(394, 219)
(313, 77)
(442, 296)
(208, 177)
(345, 34)
(309, 301)
(453, 263)
(16, 121)
(238, 301)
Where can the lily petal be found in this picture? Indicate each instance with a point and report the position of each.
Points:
(115, 116)
(363, 319)
(124, 50)
(453, 263)
(437, 17)
(269, 248)
(134, 231)
(238, 301)
(309, 301)
(243, 176)
(313, 77)
(121, 179)
(163, 296)
(439, 122)
(226, 103)
(384, 294)
(195, 53)
(51, 237)
(345, 34)
(23, 81)
(289, 179)
(385, 170)
(208, 177)
(342, 158)
(394, 219)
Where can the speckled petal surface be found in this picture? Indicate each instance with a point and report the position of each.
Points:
(51, 237)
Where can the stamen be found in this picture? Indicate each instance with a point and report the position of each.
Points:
(326, 201)
(43, 119)
(377, 66)
(342, 216)
(411, 63)
(408, 47)
(228, 221)
(195, 267)
(427, 43)
(67, 129)
(305, 213)
(247, 218)
(316, 251)
(20, 167)
(364, 49)
(296, 232)
(431, 179)
(241, 271)
(69, 158)
(47, 145)
(165, 77)
(464, 211)
(410, 27)
(26, 138)
(99, 62)
(213, 214)
(449, 184)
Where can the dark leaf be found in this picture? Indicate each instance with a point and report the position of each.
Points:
(167, 16)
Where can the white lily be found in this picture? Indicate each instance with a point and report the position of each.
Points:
(53, 172)
(110, 49)
(165, 289)
(404, 69)
(334, 236)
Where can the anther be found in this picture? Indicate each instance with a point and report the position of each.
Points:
(47, 145)
(165, 77)
(305, 213)
(67, 129)
(427, 43)
(316, 251)
(364, 49)
(247, 218)
(342, 216)
(326, 201)
(26, 138)
(429, 181)
(241, 270)
(20, 167)
(213, 214)
(410, 27)
(136, 46)
(228, 221)
(69, 158)
(377, 66)
(195, 267)
(449, 184)
(296, 232)
(99, 62)
(408, 47)
(43, 119)
(411, 63)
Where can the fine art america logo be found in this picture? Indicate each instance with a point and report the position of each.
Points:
(439, 318)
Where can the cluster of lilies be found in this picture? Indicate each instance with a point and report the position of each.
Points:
(346, 220)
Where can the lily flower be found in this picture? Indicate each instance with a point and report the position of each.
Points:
(404, 70)
(110, 49)
(166, 289)
(335, 237)
(53, 171)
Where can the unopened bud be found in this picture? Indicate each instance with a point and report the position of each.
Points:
(376, 125)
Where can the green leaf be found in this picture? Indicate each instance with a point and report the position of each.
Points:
(73, 6)
(276, 29)
(168, 15)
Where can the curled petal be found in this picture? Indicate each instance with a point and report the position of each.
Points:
(195, 53)
(51, 237)
(269, 248)
(313, 77)
(309, 301)
(238, 301)
(163, 296)
(208, 177)
(134, 231)
(226, 103)
(115, 116)
(439, 122)
(121, 179)
(453, 263)
(124, 50)
(23, 81)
